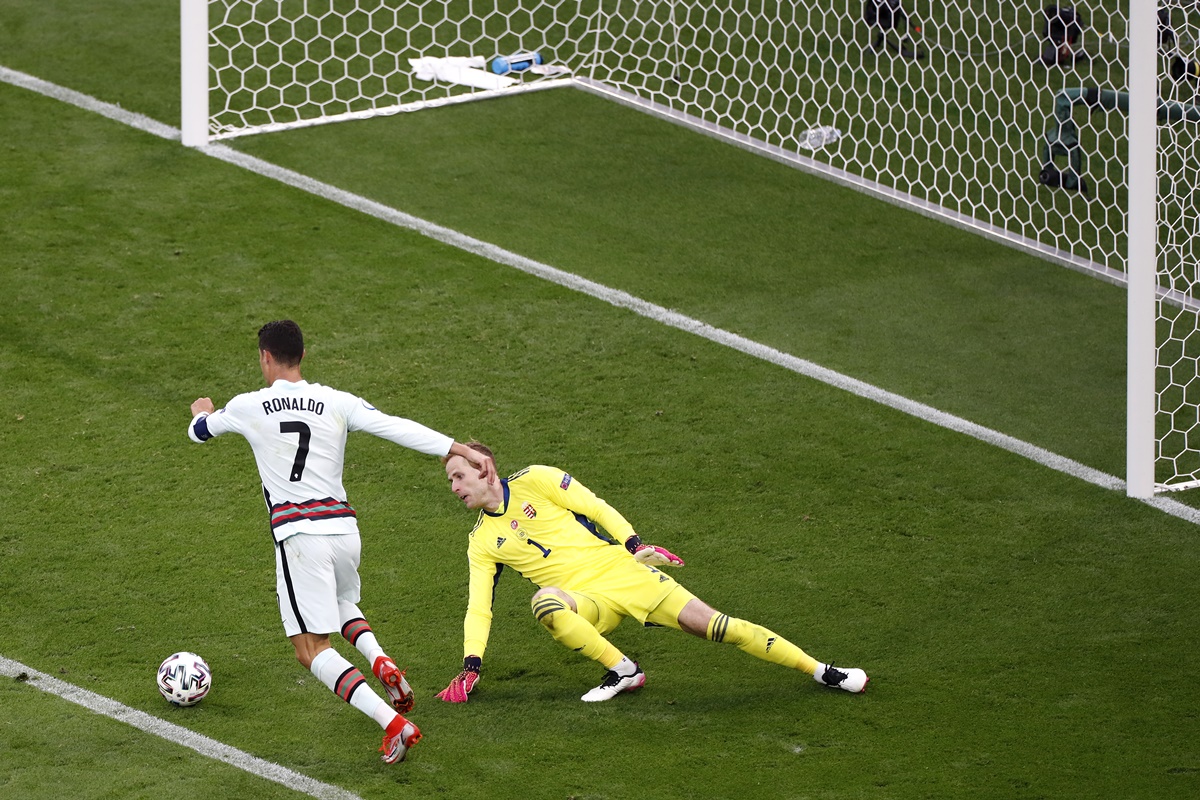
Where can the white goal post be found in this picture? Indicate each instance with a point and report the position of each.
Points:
(1063, 131)
(1142, 258)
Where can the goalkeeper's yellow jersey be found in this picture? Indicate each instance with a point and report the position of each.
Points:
(549, 530)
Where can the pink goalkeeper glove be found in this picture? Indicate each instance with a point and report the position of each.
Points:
(463, 683)
(654, 556)
(651, 555)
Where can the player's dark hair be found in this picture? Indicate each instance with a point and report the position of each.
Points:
(283, 340)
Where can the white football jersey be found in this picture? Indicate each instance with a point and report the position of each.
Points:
(298, 434)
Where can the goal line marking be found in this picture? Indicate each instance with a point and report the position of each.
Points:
(614, 297)
(173, 733)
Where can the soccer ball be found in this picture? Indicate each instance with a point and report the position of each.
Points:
(184, 679)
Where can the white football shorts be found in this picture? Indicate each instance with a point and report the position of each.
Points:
(312, 573)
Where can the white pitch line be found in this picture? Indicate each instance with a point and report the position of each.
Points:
(614, 297)
(174, 733)
(88, 103)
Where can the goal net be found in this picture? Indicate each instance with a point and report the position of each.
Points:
(1009, 119)
(288, 63)
(1177, 318)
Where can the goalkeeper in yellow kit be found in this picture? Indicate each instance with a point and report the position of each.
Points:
(548, 527)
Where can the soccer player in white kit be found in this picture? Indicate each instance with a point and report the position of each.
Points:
(297, 431)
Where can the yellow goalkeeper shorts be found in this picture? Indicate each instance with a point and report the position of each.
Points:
(649, 596)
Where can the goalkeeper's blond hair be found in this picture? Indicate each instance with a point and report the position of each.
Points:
(478, 447)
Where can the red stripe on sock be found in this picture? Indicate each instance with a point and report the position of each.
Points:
(355, 628)
(347, 682)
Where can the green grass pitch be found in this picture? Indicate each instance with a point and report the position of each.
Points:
(1028, 635)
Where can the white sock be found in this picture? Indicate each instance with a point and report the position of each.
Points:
(369, 647)
(364, 637)
(347, 682)
(625, 667)
(384, 715)
(323, 659)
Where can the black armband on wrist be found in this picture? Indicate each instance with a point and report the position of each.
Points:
(633, 543)
(472, 664)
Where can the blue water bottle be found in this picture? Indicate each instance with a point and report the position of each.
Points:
(515, 63)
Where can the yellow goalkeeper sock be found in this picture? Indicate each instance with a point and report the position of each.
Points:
(759, 642)
(572, 630)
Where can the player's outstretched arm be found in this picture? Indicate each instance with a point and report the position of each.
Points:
(651, 555)
(464, 682)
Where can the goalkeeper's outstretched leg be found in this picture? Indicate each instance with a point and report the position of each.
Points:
(694, 616)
